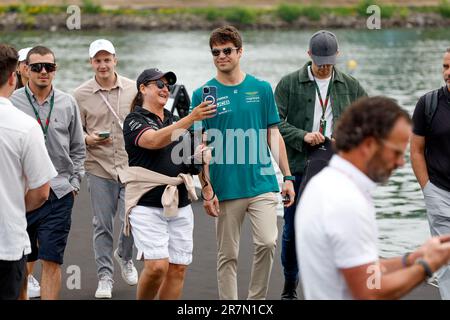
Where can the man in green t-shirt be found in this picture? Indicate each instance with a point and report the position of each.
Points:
(242, 178)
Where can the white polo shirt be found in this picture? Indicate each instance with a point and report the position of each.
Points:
(335, 229)
(24, 164)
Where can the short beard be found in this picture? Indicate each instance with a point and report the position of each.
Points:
(375, 172)
(42, 86)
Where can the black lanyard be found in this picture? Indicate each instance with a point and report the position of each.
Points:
(323, 104)
(36, 113)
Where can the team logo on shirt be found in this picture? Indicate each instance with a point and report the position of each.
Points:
(134, 125)
(223, 105)
(252, 97)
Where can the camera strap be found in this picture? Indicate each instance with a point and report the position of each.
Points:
(111, 108)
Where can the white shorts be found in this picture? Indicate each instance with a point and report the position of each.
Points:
(159, 237)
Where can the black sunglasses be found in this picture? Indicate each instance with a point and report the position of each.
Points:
(160, 84)
(226, 51)
(37, 67)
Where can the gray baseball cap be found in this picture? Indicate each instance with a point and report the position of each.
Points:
(324, 47)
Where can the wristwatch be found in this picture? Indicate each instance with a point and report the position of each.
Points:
(291, 178)
(426, 267)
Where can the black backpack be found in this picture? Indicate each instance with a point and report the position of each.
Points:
(431, 104)
(318, 157)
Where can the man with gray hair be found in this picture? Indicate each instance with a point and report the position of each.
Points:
(430, 158)
(104, 103)
(309, 101)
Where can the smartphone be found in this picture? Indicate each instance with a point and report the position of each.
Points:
(103, 134)
(209, 93)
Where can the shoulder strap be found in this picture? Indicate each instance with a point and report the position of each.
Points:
(431, 103)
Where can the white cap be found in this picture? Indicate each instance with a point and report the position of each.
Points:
(100, 45)
(23, 54)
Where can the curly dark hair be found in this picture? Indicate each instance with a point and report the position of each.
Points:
(367, 117)
(225, 34)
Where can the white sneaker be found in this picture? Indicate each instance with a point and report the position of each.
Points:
(129, 272)
(433, 281)
(33, 287)
(104, 289)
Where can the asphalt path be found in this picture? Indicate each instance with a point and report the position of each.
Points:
(79, 272)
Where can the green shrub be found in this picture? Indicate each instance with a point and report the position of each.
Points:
(9, 9)
(240, 15)
(313, 12)
(361, 7)
(444, 8)
(89, 6)
(343, 11)
(388, 11)
(210, 13)
(404, 13)
(289, 12)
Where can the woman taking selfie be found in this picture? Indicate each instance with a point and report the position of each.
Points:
(159, 185)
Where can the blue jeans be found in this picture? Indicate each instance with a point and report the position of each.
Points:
(288, 252)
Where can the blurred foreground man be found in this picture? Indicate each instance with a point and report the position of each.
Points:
(25, 171)
(337, 233)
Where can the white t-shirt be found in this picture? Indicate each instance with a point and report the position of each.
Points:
(25, 164)
(335, 229)
(323, 87)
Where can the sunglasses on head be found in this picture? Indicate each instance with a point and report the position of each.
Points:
(37, 67)
(226, 51)
(161, 84)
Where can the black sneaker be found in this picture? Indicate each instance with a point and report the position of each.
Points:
(290, 290)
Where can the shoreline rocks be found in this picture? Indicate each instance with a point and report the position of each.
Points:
(184, 21)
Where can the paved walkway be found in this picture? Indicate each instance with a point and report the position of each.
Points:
(201, 282)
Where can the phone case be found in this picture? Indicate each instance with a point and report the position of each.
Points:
(209, 93)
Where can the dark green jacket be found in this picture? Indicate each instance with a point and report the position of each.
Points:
(295, 97)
